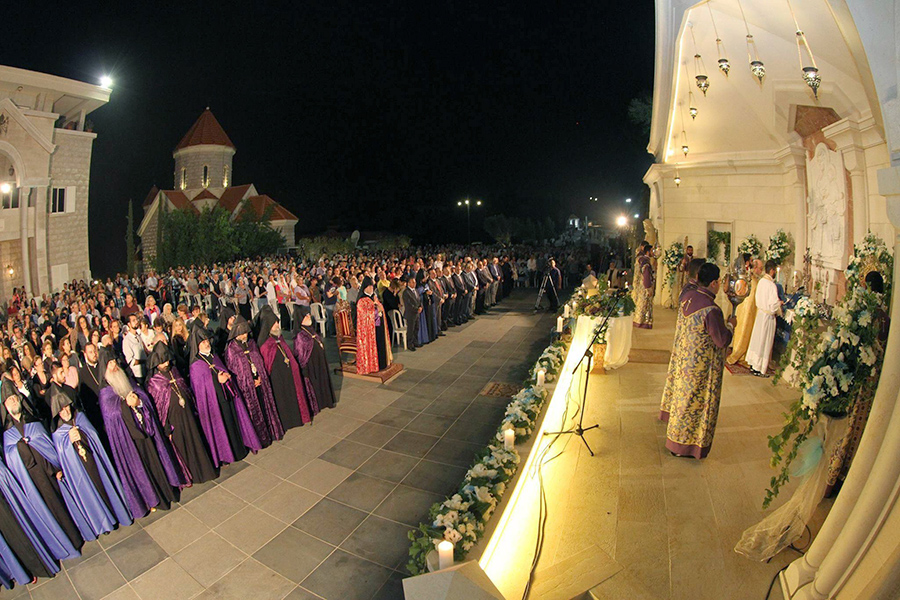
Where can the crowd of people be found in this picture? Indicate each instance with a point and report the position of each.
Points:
(116, 395)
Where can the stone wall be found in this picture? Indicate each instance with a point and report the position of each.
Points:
(10, 255)
(148, 240)
(67, 233)
(193, 160)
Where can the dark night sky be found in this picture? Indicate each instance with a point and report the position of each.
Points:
(359, 114)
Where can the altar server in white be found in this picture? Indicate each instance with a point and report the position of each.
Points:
(768, 306)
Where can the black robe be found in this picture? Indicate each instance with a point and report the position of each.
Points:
(316, 369)
(229, 418)
(285, 393)
(146, 449)
(186, 437)
(92, 381)
(18, 542)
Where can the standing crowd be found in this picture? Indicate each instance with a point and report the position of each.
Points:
(116, 396)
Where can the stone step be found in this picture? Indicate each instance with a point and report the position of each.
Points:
(574, 576)
(621, 585)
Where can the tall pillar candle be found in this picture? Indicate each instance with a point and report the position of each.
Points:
(566, 311)
(445, 555)
(509, 438)
(559, 324)
(541, 375)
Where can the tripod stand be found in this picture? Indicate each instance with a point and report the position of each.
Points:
(579, 429)
(537, 304)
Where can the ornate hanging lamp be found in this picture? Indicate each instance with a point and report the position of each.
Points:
(699, 67)
(691, 108)
(677, 177)
(757, 68)
(684, 142)
(724, 64)
(810, 75)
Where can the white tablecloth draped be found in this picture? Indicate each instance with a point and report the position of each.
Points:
(618, 342)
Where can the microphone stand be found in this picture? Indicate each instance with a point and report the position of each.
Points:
(579, 429)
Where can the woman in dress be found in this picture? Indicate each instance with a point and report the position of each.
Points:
(644, 287)
(373, 350)
(424, 293)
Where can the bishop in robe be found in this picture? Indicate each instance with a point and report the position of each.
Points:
(373, 348)
(223, 414)
(86, 466)
(310, 352)
(175, 408)
(91, 378)
(694, 382)
(645, 287)
(33, 461)
(246, 363)
(768, 307)
(294, 396)
(746, 317)
(142, 454)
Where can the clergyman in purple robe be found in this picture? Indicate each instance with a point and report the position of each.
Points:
(294, 396)
(141, 452)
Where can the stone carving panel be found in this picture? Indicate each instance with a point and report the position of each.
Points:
(827, 214)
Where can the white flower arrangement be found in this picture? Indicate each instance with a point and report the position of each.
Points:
(671, 259)
(779, 247)
(750, 245)
(461, 518)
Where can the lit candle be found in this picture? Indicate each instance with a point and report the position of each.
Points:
(778, 274)
(566, 311)
(559, 324)
(445, 555)
(541, 374)
(509, 438)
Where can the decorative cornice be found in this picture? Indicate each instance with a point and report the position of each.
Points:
(29, 127)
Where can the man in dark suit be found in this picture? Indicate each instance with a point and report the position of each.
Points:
(462, 296)
(485, 281)
(472, 287)
(507, 269)
(554, 282)
(412, 306)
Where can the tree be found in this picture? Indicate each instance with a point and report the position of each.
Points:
(129, 240)
(500, 227)
(640, 112)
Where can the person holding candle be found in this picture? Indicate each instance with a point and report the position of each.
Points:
(768, 306)
(746, 316)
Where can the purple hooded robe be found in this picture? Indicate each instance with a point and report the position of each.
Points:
(211, 415)
(306, 397)
(45, 534)
(263, 415)
(94, 510)
(136, 483)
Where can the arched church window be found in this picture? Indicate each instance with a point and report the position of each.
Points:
(183, 178)
(205, 180)
(225, 176)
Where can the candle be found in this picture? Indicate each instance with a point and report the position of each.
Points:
(445, 555)
(778, 274)
(566, 311)
(559, 324)
(541, 374)
(509, 438)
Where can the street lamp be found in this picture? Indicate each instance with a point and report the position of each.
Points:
(622, 221)
(468, 204)
(627, 200)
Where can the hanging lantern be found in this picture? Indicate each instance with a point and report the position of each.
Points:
(685, 149)
(812, 79)
(692, 109)
(677, 179)
(702, 83)
(693, 112)
(757, 68)
(724, 66)
(699, 68)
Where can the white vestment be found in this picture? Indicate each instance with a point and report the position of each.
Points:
(763, 337)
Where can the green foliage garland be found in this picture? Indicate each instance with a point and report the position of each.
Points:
(714, 239)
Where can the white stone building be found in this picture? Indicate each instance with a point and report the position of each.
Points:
(204, 178)
(826, 169)
(45, 163)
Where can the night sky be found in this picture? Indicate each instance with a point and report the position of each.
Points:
(370, 116)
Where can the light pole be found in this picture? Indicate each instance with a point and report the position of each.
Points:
(468, 205)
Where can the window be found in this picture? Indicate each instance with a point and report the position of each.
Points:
(225, 176)
(183, 178)
(62, 200)
(205, 181)
(11, 198)
(58, 201)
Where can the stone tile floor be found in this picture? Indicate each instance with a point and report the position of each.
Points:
(324, 512)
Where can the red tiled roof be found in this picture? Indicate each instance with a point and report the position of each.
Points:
(259, 205)
(150, 197)
(204, 195)
(180, 201)
(232, 196)
(205, 131)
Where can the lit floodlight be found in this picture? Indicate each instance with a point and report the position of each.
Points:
(478, 203)
(637, 216)
(622, 221)
(467, 202)
(106, 81)
(5, 187)
(627, 200)
(459, 203)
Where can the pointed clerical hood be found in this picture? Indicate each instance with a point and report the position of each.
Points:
(60, 397)
(159, 355)
(7, 389)
(266, 321)
(197, 335)
(240, 326)
(227, 313)
(300, 312)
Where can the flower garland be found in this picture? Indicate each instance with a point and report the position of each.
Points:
(871, 254)
(714, 240)
(831, 367)
(461, 518)
(779, 247)
(601, 304)
(750, 245)
(671, 259)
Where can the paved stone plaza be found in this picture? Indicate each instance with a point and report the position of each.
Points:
(324, 512)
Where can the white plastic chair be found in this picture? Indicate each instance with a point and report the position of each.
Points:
(399, 325)
(318, 314)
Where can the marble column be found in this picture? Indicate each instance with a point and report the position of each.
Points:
(873, 482)
(23, 237)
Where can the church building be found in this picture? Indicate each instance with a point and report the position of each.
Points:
(204, 178)
(46, 143)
